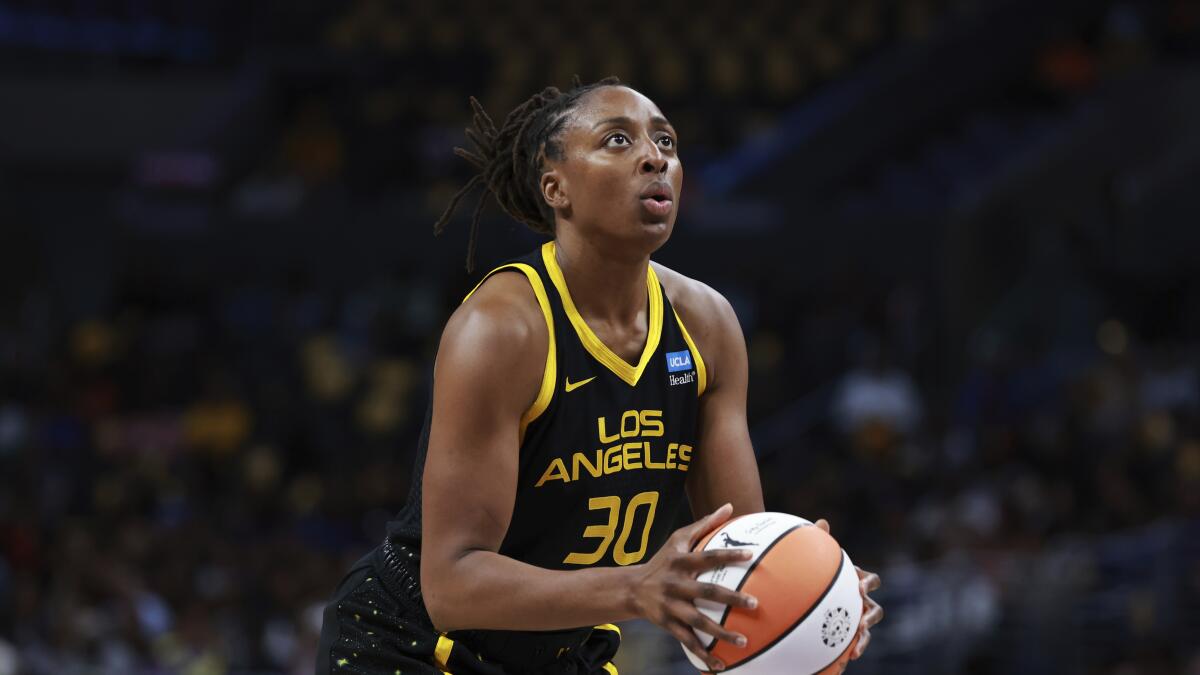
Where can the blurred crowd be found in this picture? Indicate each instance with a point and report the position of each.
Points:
(183, 484)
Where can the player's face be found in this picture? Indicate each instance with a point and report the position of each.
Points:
(620, 173)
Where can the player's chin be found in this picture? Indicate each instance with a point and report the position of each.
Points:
(654, 232)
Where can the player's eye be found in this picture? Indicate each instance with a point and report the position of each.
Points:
(612, 140)
(666, 141)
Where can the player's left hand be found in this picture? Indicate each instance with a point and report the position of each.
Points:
(872, 612)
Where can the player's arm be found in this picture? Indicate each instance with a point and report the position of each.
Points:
(724, 469)
(488, 371)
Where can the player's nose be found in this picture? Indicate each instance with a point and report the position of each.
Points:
(654, 162)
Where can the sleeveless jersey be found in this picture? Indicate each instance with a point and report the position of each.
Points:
(606, 447)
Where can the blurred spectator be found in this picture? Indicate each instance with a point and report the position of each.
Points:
(876, 401)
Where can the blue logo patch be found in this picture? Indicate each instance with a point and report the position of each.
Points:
(677, 361)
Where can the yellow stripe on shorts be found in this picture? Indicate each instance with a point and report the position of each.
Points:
(441, 653)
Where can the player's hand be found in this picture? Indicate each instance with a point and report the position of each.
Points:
(666, 588)
(872, 612)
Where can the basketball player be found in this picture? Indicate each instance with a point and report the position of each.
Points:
(583, 396)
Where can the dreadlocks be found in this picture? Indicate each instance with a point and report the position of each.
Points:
(509, 159)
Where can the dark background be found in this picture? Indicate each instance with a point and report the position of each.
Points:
(961, 236)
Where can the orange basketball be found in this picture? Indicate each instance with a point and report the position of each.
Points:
(809, 605)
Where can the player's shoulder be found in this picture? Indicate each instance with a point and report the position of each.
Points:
(503, 316)
(702, 308)
(710, 321)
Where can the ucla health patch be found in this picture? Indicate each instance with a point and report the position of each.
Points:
(677, 361)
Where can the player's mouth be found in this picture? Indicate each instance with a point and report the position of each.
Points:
(658, 199)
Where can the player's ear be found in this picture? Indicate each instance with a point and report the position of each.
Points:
(554, 190)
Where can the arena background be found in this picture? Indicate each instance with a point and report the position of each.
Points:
(962, 236)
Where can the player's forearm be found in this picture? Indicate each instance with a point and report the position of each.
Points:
(486, 590)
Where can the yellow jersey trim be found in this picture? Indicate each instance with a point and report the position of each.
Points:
(600, 351)
(549, 375)
(441, 653)
(609, 626)
(610, 669)
(701, 373)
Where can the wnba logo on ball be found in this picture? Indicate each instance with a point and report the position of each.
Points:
(836, 628)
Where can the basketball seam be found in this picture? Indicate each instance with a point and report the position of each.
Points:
(783, 634)
(746, 577)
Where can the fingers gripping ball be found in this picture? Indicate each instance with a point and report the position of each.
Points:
(809, 604)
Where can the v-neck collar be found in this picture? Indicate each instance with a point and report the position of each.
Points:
(600, 351)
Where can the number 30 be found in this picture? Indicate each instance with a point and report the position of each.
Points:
(606, 532)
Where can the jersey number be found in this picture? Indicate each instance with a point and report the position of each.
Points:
(621, 553)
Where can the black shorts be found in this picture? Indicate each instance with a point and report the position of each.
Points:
(376, 624)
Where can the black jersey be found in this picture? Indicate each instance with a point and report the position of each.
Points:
(606, 447)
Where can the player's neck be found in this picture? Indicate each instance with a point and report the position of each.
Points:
(603, 286)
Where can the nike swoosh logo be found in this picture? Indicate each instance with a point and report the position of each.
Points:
(572, 386)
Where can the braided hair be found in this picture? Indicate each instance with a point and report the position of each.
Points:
(509, 159)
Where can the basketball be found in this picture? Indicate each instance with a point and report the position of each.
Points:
(809, 605)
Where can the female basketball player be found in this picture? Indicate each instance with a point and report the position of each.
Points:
(581, 396)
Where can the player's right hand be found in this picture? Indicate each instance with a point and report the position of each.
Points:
(666, 588)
